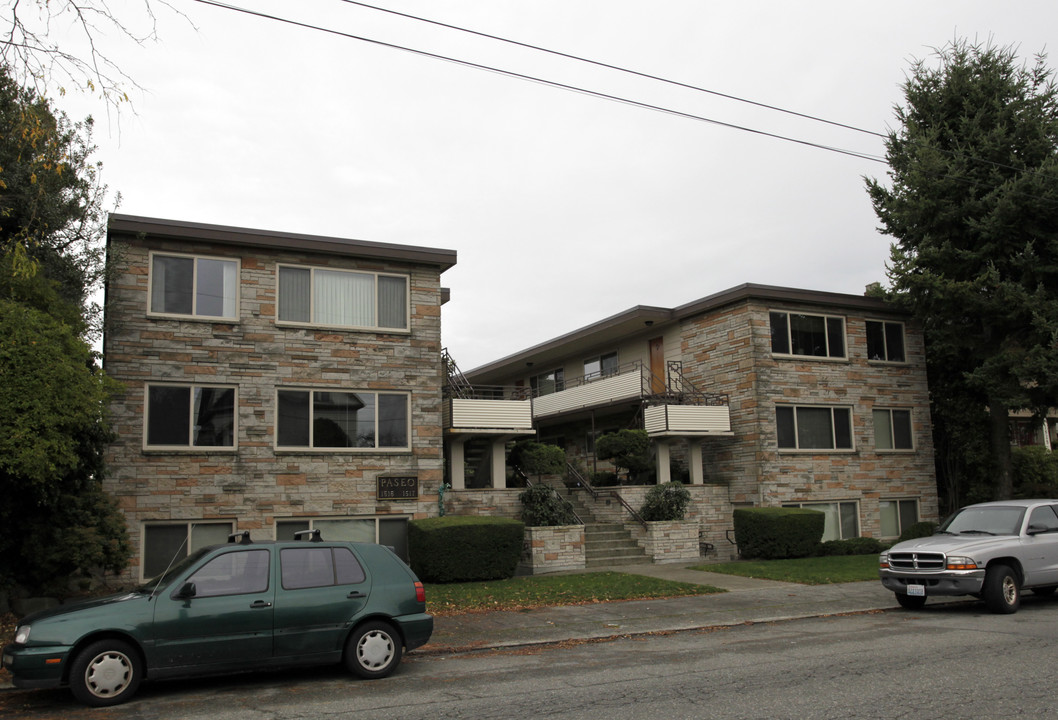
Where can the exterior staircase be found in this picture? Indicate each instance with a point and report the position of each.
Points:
(605, 543)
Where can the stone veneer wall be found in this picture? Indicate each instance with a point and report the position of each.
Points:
(668, 542)
(255, 485)
(553, 549)
(730, 351)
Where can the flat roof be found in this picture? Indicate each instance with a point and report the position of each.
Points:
(180, 230)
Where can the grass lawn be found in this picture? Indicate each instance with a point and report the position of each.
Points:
(522, 593)
(808, 571)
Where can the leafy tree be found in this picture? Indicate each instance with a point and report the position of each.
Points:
(539, 458)
(56, 519)
(628, 449)
(972, 202)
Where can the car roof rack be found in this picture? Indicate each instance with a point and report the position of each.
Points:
(314, 535)
(243, 538)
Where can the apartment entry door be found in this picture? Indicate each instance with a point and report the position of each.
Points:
(657, 365)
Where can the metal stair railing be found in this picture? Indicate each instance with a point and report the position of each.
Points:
(596, 493)
(457, 385)
(686, 392)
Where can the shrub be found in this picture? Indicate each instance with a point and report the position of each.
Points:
(1035, 472)
(852, 546)
(919, 529)
(464, 548)
(605, 479)
(542, 507)
(774, 533)
(666, 502)
(628, 449)
(538, 458)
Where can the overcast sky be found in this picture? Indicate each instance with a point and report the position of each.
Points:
(564, 208)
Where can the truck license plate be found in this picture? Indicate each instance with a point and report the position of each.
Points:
(916, 590)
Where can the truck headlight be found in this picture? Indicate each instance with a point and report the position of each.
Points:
(883, 560)
(959, 562)
(22, 634)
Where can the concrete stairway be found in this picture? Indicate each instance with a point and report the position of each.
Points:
(605, 543)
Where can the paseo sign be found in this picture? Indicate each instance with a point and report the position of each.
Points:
(398, 488)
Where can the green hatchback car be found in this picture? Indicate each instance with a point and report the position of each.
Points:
(230, 608)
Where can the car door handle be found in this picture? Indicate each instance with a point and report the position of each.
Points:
(260, 604)
(356, 594)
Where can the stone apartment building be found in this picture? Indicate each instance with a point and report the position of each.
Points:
(755, 396)
(271, 382)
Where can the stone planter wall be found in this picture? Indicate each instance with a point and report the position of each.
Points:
(552, 549)
(668, 542)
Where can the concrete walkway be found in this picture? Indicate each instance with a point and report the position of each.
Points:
(746, 601)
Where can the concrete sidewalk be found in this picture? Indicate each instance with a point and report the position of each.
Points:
(746, 601)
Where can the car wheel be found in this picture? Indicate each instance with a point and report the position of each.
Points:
(105, 673)
(1001, 593)
(1045, 591)
(911, 602)
(373, 650)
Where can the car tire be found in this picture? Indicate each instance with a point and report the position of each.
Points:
(373, 650)
(105, 673)
(1045, 591)
(1001, 592)
(910, 602)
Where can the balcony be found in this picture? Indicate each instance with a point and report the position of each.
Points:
(687, 420)
(478, 416)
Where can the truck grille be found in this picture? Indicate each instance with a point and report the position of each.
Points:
(924, 561)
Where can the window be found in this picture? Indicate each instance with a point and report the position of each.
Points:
(807, 335)
(892, 430)
(342, 298)
(842, 519)
(190, 416)
(885, 341)
(601, 366)
(319, 567)
(1025, 432)
(194, 286)
(1043, 519)
(897, 516)
(389, 531)
(547, 383)
(330, 419)
(236, 573)
(814, 428)
(165, 544)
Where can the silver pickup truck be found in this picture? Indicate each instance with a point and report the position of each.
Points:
(992, 551)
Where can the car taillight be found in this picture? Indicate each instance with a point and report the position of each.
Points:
(420, 592)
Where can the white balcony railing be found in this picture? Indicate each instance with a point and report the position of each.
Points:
(598, 393)
(514, 416)
(687, 420)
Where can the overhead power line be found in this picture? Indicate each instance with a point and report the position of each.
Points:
(544, 81)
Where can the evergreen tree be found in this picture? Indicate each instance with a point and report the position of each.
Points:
(972, 202)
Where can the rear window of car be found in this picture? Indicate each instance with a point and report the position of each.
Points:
(319, 567)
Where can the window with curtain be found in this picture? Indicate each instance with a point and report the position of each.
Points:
(194, 286)
(329, 419)
(342, 298)
(841, 522)
(892, 430)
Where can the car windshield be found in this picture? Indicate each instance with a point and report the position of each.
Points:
(160, 581)
(991, 520)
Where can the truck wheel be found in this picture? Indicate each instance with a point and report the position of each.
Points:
(911, 602)
(1001, 593)
(106, 673)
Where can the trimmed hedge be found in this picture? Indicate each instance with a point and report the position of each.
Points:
(852, 546)
(773, 533)
(464, 548)
(667, 501)
(918, 530)
(542, 507)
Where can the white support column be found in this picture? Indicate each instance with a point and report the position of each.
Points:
(499, 464)
(664, 462)
(456, 465)
(694, 462)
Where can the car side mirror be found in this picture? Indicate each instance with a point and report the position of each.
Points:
(187, 592)
(1037, 529)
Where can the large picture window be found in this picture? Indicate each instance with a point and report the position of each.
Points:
(194, 286)
(807, 335)
(842, 518)
(190, 416)
(885, 341)
(813, 428)
(342, 298)
(600, 366)
(892, 430)
(337, 419)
